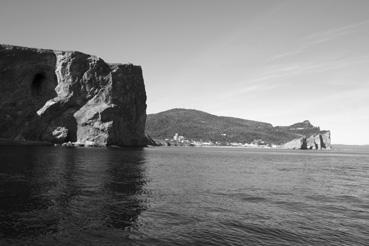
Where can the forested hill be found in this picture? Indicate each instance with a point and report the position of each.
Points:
(198, 125)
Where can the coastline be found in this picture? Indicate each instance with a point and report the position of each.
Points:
(9, 142)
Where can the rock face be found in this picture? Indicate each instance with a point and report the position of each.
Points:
(294, 144)
(309, 137)
(61, 96)
(321, 140)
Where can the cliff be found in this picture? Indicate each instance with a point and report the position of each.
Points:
(200, 126)
(318, 141)
(62, 96)
(310, 137)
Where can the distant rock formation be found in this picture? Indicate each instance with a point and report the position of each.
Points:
(317, 141)
(62, 96)
(310, 137)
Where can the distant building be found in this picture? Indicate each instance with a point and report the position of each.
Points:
(180, 139)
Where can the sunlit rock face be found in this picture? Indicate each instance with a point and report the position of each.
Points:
(294, 144)
(62, 96)
(310, 137)
(318, 141)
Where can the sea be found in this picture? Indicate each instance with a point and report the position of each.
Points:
(183, 196)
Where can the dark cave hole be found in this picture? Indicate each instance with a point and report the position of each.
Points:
(37, 82)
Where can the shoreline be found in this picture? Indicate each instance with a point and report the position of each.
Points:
(8, 142)
(240, 147)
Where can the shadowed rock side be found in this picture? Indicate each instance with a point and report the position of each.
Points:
(197, 127)
(62, 96)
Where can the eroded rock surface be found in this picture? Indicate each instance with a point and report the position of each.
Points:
(62, 96)
(318, 141)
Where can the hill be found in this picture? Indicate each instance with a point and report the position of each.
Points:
(201, 126)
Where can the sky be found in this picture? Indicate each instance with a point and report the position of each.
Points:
(277, 61)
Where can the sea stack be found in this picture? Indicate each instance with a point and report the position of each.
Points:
(68, 96)
(310, 137)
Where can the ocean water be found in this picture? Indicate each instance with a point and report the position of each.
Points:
(183, 196)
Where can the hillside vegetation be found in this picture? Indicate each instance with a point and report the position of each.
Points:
(198, 125)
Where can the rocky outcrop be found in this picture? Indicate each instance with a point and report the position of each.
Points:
(62, 96)
(309, 137)
(321, 140)
(294, 144)
(325, 140)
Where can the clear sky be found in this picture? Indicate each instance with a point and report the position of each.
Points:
(275, 61)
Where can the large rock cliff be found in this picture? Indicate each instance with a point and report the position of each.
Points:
(310, 137)
(61, 96)
(318, 141)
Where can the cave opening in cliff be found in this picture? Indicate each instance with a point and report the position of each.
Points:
(37, 82)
